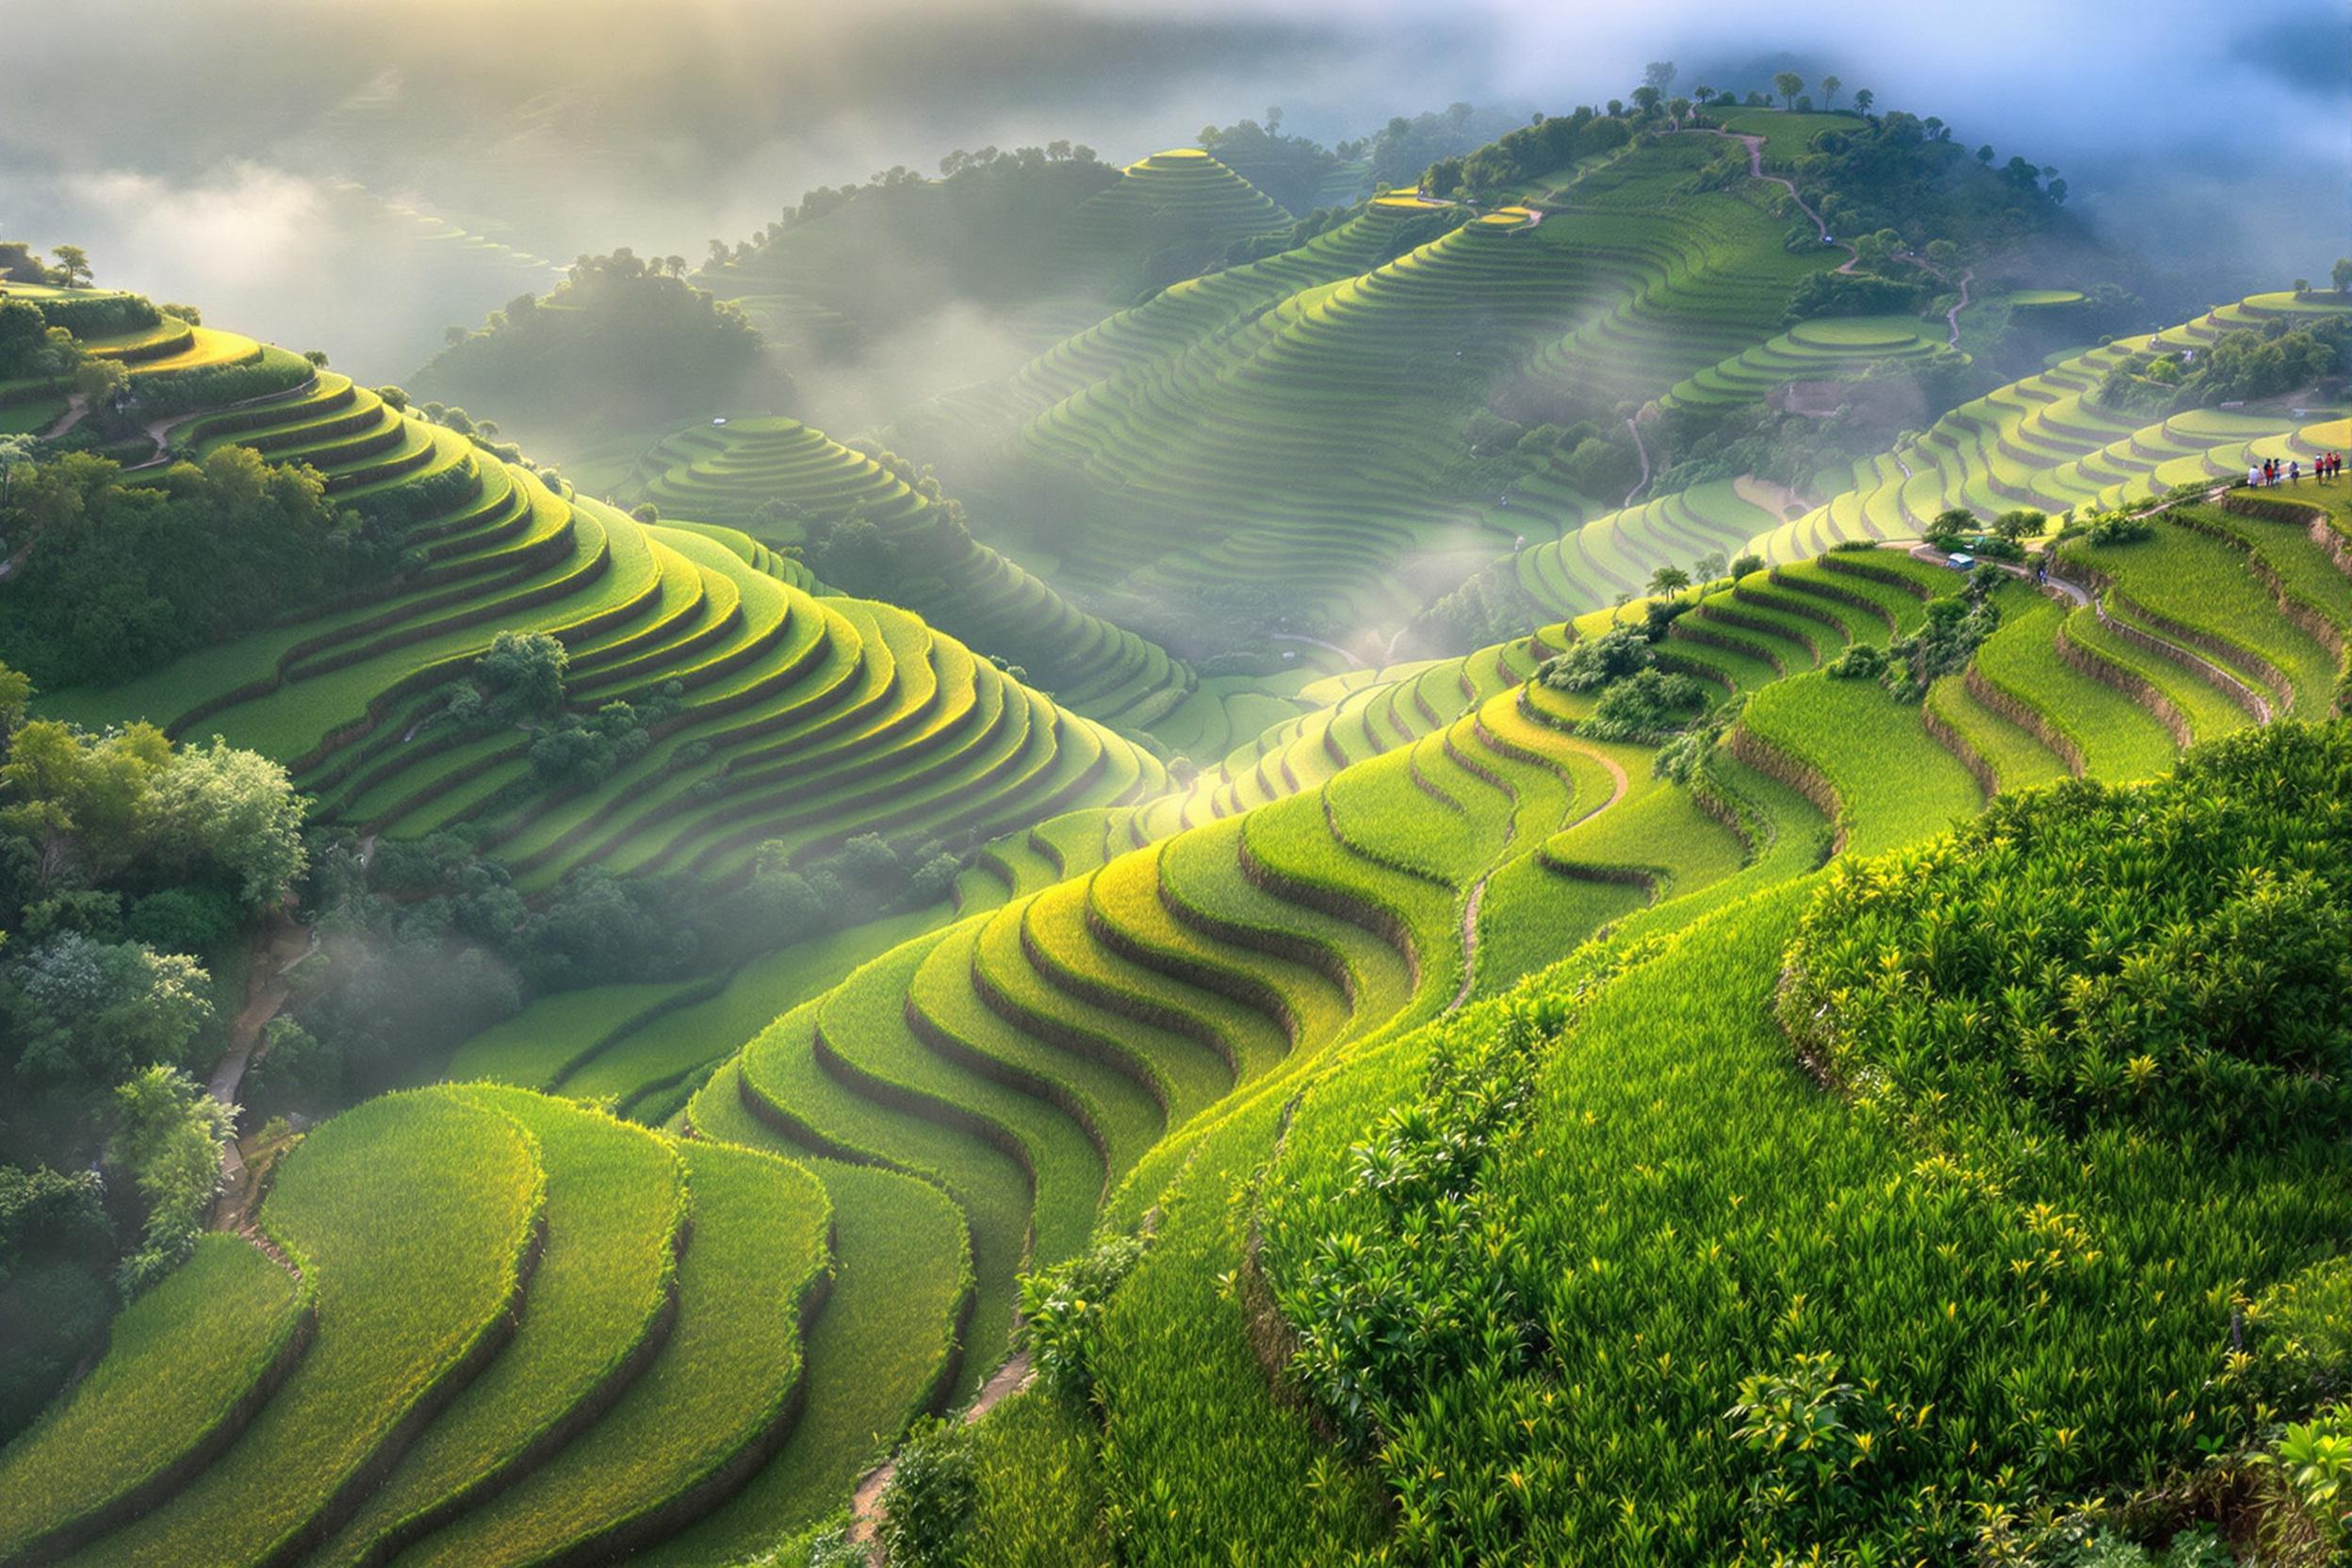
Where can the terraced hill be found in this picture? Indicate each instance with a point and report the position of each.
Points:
(2043, 443)
(1112, 1035)
(785, 716)
(1296, 422)
(1183, 198)
(741, 472)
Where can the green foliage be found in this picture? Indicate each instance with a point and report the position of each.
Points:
(120, 578)
(168, 1139)
(621, 335)
(2314, 1460)
(1647, 706)
(2301, 1337)
(1390, 1276)
(1592, 663)
(927, 1508)
(2242, 364)
(2170, 958)
(1538, 149)
(86, 1013)
(1040, 1489)
(56, 1244)
(1062, 1310)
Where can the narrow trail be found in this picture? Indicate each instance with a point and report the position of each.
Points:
(1755, 145)
(866, 1502)
(1619, 784)
(277, 948)
(76, 404)
(1952, 316)
(1634, 425)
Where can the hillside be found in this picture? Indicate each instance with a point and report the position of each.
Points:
(1636, 855)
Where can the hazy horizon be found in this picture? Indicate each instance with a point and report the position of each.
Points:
(564, 128)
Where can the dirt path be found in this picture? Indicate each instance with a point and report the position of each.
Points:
(1755, 145)
(76, 404)
(1619, 784)
(1634, 425)
(278, 947)
(1952, 316)
(866, 1502)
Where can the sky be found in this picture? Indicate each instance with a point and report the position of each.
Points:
(261, 153)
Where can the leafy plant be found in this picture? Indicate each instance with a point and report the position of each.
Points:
(1063, 1308)
(927, 1507)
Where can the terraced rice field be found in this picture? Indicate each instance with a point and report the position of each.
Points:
(1111, 1027)
(2042, 443)
(1294, 421)
(875, 722)
(727, 473)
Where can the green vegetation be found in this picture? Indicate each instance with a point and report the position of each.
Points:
(415, 1279)
(622, 337)
(1474, 958)
(183, 1369)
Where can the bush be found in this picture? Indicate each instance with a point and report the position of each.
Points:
(1594, 662)
(1647, 707)
(195, 921)
(928, 1504)
(2174, 958)
(1063, 1307)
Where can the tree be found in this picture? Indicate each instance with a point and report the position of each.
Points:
(1703, 95)
(1646, 97)
(1709, 566)
(1985, 154)
(1863, 100)
(169, 1141)
(99, 380)
(1745, 564)
(1788, 84)
(1617, 610)
(524, 673)
(237, 810)
(1668, 580)
(1659, 75)
(88, 1013)
(1829, 91)
(73, 265)
(2341, 273)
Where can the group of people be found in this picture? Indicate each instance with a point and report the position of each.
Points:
(2270, 471)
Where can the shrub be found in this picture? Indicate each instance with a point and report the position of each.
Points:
(1594, 662)
(183, 919)
(2174, 957)
(928, 1505)
(1063, 1308)
(1648, 706)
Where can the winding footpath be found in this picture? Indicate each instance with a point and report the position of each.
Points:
(1755, 145)
(1634, 425)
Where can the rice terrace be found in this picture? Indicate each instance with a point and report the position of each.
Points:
(1589, 802)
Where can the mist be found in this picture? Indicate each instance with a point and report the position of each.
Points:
(263, 158)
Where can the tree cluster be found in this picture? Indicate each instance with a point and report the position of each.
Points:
(127, 866)
(117, 578)
(620, 335)
(1536, 149)
(2242, 364)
